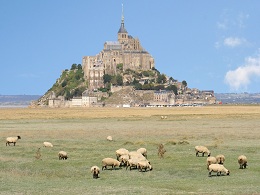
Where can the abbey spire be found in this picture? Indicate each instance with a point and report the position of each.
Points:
(122, 34)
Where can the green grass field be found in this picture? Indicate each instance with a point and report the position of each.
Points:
(228, 130)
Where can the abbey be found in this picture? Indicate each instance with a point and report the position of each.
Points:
(126, 51)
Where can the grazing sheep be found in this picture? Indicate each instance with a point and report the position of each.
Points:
(135, 154)
(120, 152)
(242, 161)
(161, 150)
(123, 159)
(95, 170)
(110, 162)
(12, 140)
(201, 149)
(63, 155)
(143, 151)
(144, 164)
(220, 159)
(109, 138)
(211, 160)
(218, 168)
(47, 144)
(132, 163)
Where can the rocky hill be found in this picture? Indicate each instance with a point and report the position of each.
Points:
(72, 84)
(129, 96)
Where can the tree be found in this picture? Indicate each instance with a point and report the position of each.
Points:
(79, 67)
(158, 87)
(172, 88)
(119, 80)
(73, 67)
(119, 66)
(135, 81)
(184, 83)
(107, 78)
(138, 86)
(64, 83)
(161, 78)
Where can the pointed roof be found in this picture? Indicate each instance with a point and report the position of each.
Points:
(122, 27)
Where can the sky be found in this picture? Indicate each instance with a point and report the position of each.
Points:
(212, 45)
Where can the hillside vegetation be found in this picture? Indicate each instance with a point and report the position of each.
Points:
(72, 82)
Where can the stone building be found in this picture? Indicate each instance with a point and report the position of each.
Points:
(126, 51)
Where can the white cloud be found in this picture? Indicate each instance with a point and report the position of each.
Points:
(234, 41)
(242, 17)
(230, 20)
(243, 75)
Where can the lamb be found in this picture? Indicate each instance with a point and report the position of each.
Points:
(144, 164)
(120, 152)
(242, 161)
(211, 160)
(218, 168)
(95, 170)
(47, 144)
(63, 155)
(12, 140)
(109, 138)
(220, 159)
(143, 151)
(201, 149)
(110, 162)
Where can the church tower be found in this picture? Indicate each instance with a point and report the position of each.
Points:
(122, 35)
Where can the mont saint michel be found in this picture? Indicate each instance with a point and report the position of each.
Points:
(127, 51)
(123, 73)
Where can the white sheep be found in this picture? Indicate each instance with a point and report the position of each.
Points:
(110, 162)
(95, 170)
(135, 154)
(109, 138)
(220, 159)
(47, 144)
(242, 161)
(143, 151)
(211, 160)
(123, 159)
(201, 149)
(132, 163)
(63, 155)
(144, 164)
(218, 168)
(12, 140)
(120, 152)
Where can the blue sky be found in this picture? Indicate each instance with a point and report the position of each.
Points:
(212, 45)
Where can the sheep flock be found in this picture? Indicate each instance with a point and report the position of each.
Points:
(138, 160)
